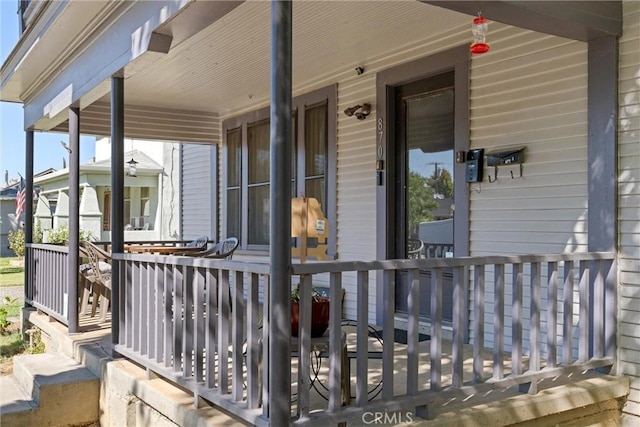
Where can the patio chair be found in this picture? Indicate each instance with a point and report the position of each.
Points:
(97, 273)
(87, 277)
(414, 248)
(221, 250)
(201, 242)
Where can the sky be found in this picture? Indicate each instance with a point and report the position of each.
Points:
(48, 152)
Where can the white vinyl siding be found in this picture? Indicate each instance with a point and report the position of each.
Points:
(356, 186)
(530, 91)
(629, 204)
(196, 187)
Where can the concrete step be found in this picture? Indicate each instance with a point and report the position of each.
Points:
(59, 391)
(14, 401)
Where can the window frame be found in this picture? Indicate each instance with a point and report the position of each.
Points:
(326, 95)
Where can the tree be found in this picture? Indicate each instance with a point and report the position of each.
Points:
(441, 183)
(420, 202)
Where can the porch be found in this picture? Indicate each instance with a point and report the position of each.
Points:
(175, 313)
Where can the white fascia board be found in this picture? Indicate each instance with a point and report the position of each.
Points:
(118, 42)
(55, 35)
(10, 84)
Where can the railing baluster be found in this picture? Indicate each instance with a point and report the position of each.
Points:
(237, 338)
(158, 286)
(611, 298)
(53, 291)
(199, 319)
(598, 312)
(436, 330)
(210, 339)
(265, 346)
(534, 329)
(498, 322)
(362, 338)
(457, 353)
(188, 326)
(516, 320)
(552, 314)
(304, 346)
(169, 315)
(178, 318)
(128, 303)
(136, 304)
(336, 349)
(413, 305)
(223, 331)
(148, 327)
(583, 321)
(388, 325)
(478, 323)
(144, 306)
(188, 322)
(253, 353)
(567, 322)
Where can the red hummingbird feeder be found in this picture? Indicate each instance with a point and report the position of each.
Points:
(479, 30)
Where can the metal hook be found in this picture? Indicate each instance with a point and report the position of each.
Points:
(515, 177)
(495, 174)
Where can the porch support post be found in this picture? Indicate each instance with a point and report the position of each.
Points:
(279, 399)
(28, 214)
(603, 119)
(117, 200)
(74, 217)
(603, 193)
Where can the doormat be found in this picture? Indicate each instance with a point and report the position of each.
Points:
(399, 336)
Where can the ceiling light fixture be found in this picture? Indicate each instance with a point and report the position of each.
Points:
(132, 168)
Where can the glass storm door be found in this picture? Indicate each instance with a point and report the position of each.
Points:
(424, 192)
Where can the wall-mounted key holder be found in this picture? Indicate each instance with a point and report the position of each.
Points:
(511, 157)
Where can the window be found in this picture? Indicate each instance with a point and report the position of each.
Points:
(315, 152)
(106, 211)
(145, 205)
(127, 203)
(246, 180)
(234, 167)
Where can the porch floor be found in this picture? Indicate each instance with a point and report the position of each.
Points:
(584, 395)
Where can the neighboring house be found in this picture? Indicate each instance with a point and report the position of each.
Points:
(8, 220)
(381, 91)
(7, 217)
(149, 199)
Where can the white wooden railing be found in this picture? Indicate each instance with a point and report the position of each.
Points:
(177, 313)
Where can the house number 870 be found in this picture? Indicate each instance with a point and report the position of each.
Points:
(380, 135)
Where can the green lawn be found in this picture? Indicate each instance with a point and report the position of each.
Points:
(10, 275)
(13, 308)
(11, 344)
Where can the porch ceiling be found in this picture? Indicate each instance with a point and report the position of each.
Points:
(225, 68)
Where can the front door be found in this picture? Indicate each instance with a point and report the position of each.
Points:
(424, 182)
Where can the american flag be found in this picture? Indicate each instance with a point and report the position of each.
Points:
(21, 198)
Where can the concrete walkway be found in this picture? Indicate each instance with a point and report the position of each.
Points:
(12, 292)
